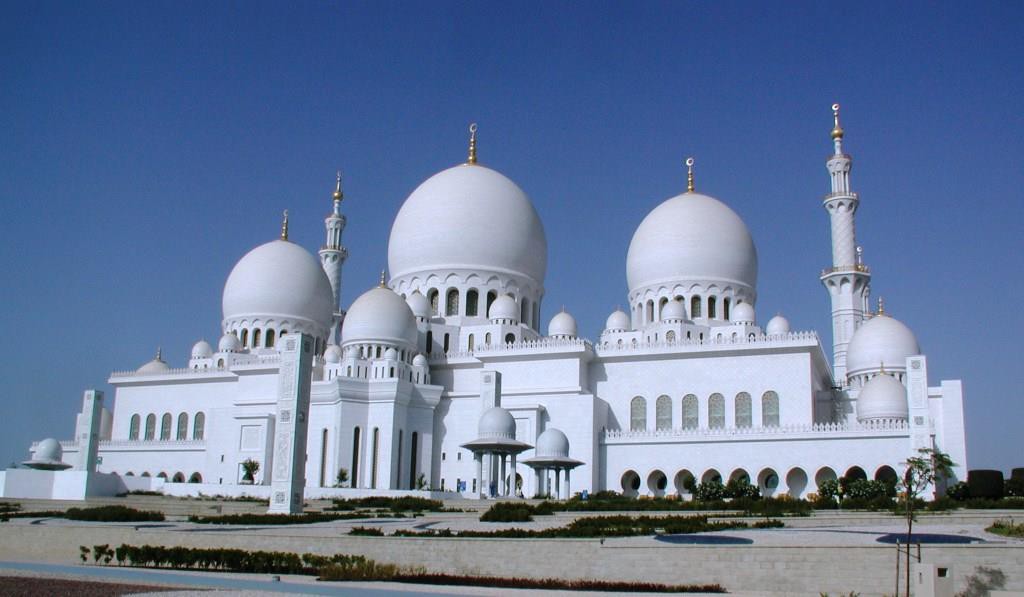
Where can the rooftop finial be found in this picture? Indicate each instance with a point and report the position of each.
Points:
(338, 195)
(472, 144)
(881, 368)
(689, 175)
(284, 226)
(881, 306)
(383, 278)
(837, 131)
(159, 353)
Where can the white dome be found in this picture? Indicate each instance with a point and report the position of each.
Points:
(154, 367)
(419, 304)
(880, 341)
(379, 315)
(229, 343)
(552, 443)
(692, 238)
(504, 307)
(742, 313)
(497, 422)
(280, 280)
(48, 450)
(883, 397)
(469, 218)
(673, 311)
(618, 321)
(333, 354)
(777, 326)
(419, 360)
(562, 324)
(202, 350)
(391, 354)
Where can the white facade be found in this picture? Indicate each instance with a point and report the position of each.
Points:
(685, 384)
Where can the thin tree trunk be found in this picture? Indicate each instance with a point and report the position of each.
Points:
(910, 528)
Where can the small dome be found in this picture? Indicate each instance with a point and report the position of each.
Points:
(154, 367)
(777, 326)
(673, 311)
(552, 443)
(391, 354)
(883, 397)
(229, 343)
(202, 350)
(419, 304)
(333, 354)
(562, 324)
(743, 313)
(419, 361)
(48, 450)
(504, 307)
(880, 342)
(497, 422)
(379, 315)
(618, 321)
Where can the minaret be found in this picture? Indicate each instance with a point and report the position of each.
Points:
(332, 257)
(848, 281)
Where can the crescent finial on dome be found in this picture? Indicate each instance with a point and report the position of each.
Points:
(383, 278)
(472, 144)
(338, 195)
(881, 306)
(284, 226)
(837, 131)
(689, 175)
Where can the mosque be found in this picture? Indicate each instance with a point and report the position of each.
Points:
(443, 378)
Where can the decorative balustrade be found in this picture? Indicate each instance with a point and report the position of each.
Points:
(526, 345)
(844, 195)
(889, 425)
(713, 341)
(136, 443)
(857, 267)
(236, 361)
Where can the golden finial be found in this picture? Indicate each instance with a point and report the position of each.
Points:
(284, 226)
(338, 195)
(383, 278)
(881, 368)
(837, 131)
(472, 144)
(159, 353)
(689, 175)
(881, 306)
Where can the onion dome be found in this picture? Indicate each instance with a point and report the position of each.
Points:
(742, 313)
(692, 239)
(391, 354)
(333, 354)
(777, 326)
(229, 343)
(563, 325)
(282, 281)
(479, 221)
(504, 307)
(673, 311)
(883, 397)
(618, 321)
(419, 361)
(47, 456)
(202, 350)
(419, 304)
(154, 367)
(379, 315)
(496, 422)
(552, 443)
(880, 342)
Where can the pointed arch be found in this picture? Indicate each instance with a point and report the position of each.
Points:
(691, 412)
(663, 413)
(133, 427)
(638, 414)
(770, 409)
(199, 425)
(716, 411)
(744, 410)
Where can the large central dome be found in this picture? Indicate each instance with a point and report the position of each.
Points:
(468, 218)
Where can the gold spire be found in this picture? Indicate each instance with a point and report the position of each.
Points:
(881, 368)
(338, 195)
(837, 131)
(383, 278)
(159, 353)
(689, 175)
(881, 306)
(284, 226)
(472, 144)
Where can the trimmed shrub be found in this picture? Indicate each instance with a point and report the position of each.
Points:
(113, 514)
(366, 532)
(865, 489)
(710, 491)
(958, 491)
(556, 584)
(277, 519)
(1014, 487)
(986, 484)
(1007, 528)
(397, 504)
(1017, 473)
(741, 488)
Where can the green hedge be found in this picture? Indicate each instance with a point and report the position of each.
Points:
(113, 514)
(985, 484)
(556, 584)
(516, 512)
(397, 504)
(228, 560)
(278, 519)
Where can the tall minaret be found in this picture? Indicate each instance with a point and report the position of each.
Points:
(848, 281)
(332, 257)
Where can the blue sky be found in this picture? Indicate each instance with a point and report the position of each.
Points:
(145, 147)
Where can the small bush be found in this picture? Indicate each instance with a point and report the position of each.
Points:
(1014, 487)
(397, 504)
(769, 524)
(958, 491)
(865, 489)
(710, 491)
(276, 519)
(1007, 528)
(985, 484)
(113, 514)
(366, 532)
(361, 569)
(873, 504)
(516, 512)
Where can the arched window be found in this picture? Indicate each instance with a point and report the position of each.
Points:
(179, 477)
(165, 426)
(245, 337)
(661, 306)
(650, 311)
(770, 409)
(195, 478)
(663, 413)
(355, 457)
(726, 304)
(182, 427)
(712, 304)
(133, 427)
(198, 426)
(490, 299)
(373, 458)
(510, 338)
(430, 341)
(451, 302)
(716, 411)
(638, 414)
(670, 336)
(270, 338)
(470, 342)
(413, 457)
(220, 363)
(695, 307)
(472, 298)
(524, 312)
(691, 409)
(487, 339)
(150, 426)
(432, 297)
(447, 338)
(743, 410)
(256, 338)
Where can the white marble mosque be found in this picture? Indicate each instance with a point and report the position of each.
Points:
(443, 377)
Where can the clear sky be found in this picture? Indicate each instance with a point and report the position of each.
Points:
(145, 147)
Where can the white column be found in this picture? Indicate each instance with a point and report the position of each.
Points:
(479, 473)
(512, 485)
(540, 476)
(502, 489)
(558, 484)
(568, 491)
